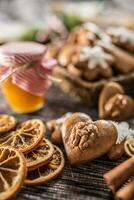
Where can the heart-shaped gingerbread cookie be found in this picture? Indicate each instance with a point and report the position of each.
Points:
(85, 140)
(54, 126)
(113, 104)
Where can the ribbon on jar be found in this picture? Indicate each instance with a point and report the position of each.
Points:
(34, 80)
(29, 70)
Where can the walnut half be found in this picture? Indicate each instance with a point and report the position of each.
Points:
(119, 107)
(83, 135)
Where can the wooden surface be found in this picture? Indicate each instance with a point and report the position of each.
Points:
(81, 183)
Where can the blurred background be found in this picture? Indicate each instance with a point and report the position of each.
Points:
(47, 20)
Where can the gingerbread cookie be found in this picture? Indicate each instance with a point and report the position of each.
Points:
(85, 140)
(95, 63)
(122, 37)
(123, 61)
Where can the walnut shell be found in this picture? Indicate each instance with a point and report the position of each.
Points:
(54, 126)
(113, 104)
(66, 53)
(107, 92)
(55, 131)
(119, 107)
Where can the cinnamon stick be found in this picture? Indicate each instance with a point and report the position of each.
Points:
(126, 192)
(117, 176)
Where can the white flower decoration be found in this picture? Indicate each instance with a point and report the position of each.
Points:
(123, 131)
(95, 57)
(94, 31)
(92, 27)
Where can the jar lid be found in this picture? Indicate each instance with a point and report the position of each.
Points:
(20, 53)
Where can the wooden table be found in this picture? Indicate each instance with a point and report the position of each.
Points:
(81, 183)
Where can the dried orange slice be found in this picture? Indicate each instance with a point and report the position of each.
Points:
(26, 137)
(129, 146)
(40, 156)
(7, 123)
(12, 171)
(48, 172)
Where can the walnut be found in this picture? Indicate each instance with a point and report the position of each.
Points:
(114, 104)
(66, 53)
(54, 127)
(119, 106)
(83, 135)
(109, 90)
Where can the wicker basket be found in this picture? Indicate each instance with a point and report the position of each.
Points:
(88, 92)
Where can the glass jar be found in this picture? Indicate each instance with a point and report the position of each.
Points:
(24, 78)
(20, 100)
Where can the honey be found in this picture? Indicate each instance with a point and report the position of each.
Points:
(20, 100)
(24, 72)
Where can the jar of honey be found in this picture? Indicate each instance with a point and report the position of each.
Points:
(24, 74)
